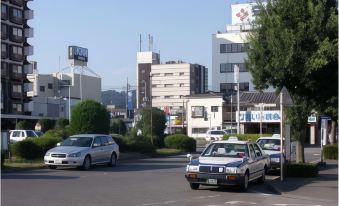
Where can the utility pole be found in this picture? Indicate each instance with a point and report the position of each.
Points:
(236, 79)
(281, 138)
(127, 98)
(150, 102)
(231, 114)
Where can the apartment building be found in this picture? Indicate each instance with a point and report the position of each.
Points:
(15, 49)
(174, 80)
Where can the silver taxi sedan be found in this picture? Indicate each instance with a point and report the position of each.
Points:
(230, 162)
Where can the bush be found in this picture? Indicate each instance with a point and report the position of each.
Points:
(58, 133)
(142, 147)
(62, 123)
(4, 155)
(46, 124)
(180, 141)
(90, 117)
(302, 170)
(32, 148)
(331, 151)
(245, 137)
(24, 124)
(121, 141)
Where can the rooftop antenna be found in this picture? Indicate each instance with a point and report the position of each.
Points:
(149, 42)
(140, 43)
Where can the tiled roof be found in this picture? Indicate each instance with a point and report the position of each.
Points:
(259, 97)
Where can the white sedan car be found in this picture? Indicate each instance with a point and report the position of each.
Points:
(83, 150)
(228, 162)
(213, 135)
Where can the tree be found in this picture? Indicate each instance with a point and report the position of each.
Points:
(90, 117)
(294, 44)
(158, 123)
(24, 124)
(119, 127)
(46, 124)
(62, 123)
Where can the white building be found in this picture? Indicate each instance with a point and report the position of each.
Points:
(174, 80)
(228, 49)
(52, 93)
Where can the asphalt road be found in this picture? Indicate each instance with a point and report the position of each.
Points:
(146, 182)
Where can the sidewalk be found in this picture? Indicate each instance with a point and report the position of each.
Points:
(324, 187)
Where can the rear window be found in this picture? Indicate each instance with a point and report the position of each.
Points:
(30, 133)
(269, 144)
(110, 140)
(104, 140)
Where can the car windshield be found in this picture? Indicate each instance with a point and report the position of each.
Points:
(77, 141)
(269, 144)
(217, 132)
(226, 150)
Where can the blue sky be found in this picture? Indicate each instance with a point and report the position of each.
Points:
(110, 29)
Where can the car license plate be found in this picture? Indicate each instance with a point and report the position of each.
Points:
(57, 161)
(212, 181)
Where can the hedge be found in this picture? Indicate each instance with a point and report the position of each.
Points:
(58, 133)
(32, 148)
(302, 170)
(245, 137)
(134, 144)
(331, 151)
(121, 141)
(180, 141)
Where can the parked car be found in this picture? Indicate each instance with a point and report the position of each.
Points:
(230, 162)
(83, 150)
(212, 135)
(230, 131)
(39, 133)
(19, 135)
(271, 146)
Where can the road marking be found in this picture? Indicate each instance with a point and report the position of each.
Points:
(211, 196)
(160, 203)
(295, 205)
(264, 194)
(240, 202)
(316, 154)
(315, 161)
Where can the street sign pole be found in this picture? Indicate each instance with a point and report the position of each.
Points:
(281, 139)
(236, 80)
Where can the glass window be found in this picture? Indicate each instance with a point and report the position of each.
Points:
(50, 86)
(181, 73)
(269, 144)
(97, 140)
(17, 13)
(42, 88)
(110, 140)
(181, 84)
(3, 11)
(3, 48)
(17, 32)
(78, 141)
(168, 74)
(226, 150)
(167, 97)
(197, 111)
(17, 69)
(257, 150)
(104, 140)
(214, 108)
(252, 153)
(232, 48)
(17, 50)
(199, 130)
(16, 134)
(17, 107)
(168, 85)
(3, 31)
(30, 133)
(223, 48)
(17, 88)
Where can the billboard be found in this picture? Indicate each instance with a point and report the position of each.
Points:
(254, 116)
(78, 53)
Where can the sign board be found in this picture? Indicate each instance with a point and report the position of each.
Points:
(4, 140)
(78, 53)
(312, 119)
(254, 116)
(244, 13)
(197, 111)
(293, 151)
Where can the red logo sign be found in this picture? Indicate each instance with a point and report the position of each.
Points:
(242, 14)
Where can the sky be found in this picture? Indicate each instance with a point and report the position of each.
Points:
(110, 29)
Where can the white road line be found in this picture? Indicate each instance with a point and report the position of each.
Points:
(295, 205)
(160, 203)
(264, 194)
(240, 202)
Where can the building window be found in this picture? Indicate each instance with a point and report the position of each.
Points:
(17, 107)
(4, 53)
(17, 88)
(42, 88)
(4, 13)
(16, 34)
(181, 74)
(50, 86)
(232, 48)
(214, 108)
(16, 16)
(199, 130)
(4, 69)
(229, 67)
(197, 111)
(16, 70)
(168, 74)
(16, 54)
(167, 97)
(168, 85)
(181, 84)
(143, 71)
(156, 74)
(4, 32)
(230, 87)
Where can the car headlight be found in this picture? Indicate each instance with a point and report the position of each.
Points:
(77, 154)
(232, 170)
(47, 154)
(192, 168)
(275, 159)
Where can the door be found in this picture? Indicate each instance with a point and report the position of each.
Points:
(253, 163)
(260, 158)
(106, 149)
(97, 150)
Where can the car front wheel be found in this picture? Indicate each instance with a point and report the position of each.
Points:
(113, 160)
(87, 163)
(244, 183)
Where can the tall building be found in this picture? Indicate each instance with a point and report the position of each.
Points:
(14, 65)
(145, 60)
(228, 50)
(174, 80)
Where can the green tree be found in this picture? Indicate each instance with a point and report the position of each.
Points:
(294, 44)
(90, 117)
(24, 124)
(62, 123)
(46, 124)
(158, 123)
(119, 127)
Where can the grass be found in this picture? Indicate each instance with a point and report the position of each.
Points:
(15, 162)
(166, 151)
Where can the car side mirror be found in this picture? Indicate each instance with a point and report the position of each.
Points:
(96, 145)
(58, 144)
(190, 157)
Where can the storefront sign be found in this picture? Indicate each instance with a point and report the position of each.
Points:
(254, 116)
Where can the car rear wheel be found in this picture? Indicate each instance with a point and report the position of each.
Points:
(113, 160)
(87, 163)
(194, 186)
(244, 183)
(52, 167)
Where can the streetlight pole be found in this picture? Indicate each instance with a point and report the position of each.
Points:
(150, 102)
(69, 103)
(231, 114)
(236, 79)
(281, 138)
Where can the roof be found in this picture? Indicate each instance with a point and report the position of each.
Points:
(256, 97)
(206, 95)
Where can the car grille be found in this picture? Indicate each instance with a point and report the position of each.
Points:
(59, 155)
(211, 169)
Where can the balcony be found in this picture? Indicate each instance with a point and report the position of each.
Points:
(17, 2)
(28, 68)
(29, 32)
(15, 38)
(28, 50)
(17, 75)
(29, 14)
(28, 107)
(28, 87)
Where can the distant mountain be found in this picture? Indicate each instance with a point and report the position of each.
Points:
(112, 97)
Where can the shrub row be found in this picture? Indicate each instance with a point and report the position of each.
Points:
(180, 141)
(32, 148)
(134, 144)
(302, 170)
(245, 137)
(331, 151)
